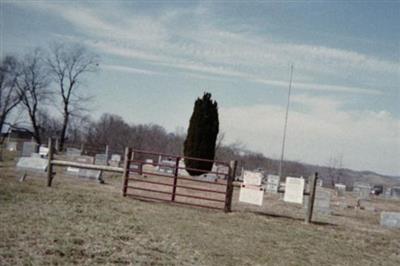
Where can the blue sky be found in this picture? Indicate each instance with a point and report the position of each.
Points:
(157, 57)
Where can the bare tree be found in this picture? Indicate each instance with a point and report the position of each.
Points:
(67, 65)
(335, 169)
(33, 89)
(109, 130)
(9, 97)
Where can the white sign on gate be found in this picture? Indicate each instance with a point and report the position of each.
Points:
(294, 189)
(252, 178)
(251, 195)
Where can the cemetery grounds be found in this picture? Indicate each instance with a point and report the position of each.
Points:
(81, 222)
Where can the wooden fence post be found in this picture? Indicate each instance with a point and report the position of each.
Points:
(175, 178)
(229, 186)
(49, 165)
(311, 198)
(127, 163)
(106, 153)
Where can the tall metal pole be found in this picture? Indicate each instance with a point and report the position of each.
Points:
(286, 120)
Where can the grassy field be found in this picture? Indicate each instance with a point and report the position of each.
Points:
(85, 223)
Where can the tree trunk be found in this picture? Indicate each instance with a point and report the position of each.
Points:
(64, 130)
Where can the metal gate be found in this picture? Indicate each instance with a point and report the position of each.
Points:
(162, 177)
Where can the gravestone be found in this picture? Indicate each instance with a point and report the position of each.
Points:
(116, 157)
(294, 189)
(361, 190)
(340, 189)
(222, 171)
(79, 159)
(273, 182)
(148, 166)
(366, 205)
(252, 178)
(182, 168)
(390, 219)
(322, 202)
(11, 146)
(395, 192)
(167, 166)
(73, 171)
(100, 159)
(115, 160)
(71, 152)
(28, 148)
(320, 182)
(209, 177)
(251, 191)
(251, 195)
(32, 164)
(36, 155)
(388, 193)
(88, 173)
(43, 151)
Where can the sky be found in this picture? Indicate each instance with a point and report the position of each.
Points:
(157, 57)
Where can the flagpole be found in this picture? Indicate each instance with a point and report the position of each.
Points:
(286, 120)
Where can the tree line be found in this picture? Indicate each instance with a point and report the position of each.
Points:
(112, 130)
(43, 86)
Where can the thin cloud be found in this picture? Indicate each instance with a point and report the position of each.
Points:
(130, 69)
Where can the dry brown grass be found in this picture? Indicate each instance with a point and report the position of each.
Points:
(81, 222)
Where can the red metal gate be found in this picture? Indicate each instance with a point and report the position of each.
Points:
(161, 177)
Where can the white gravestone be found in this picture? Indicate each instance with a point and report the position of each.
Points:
(35, 155)
(80, 159)
(251, 191)
(115, 160)
(222, 171)
(100, 159)
(148, 166)
(251, 195)
(73, 152)
(340, 189)
(182, 168)
(390, 219)
(43, 151)
(252, 178)
(361, 190)
(116, 157)
(167, 166)
(273, 182)
(32, 164)
(88, 173)
(208, 177)
(28, 148)
(294, 189)
(11, 146)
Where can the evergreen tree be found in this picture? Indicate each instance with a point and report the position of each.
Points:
(202, 135)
